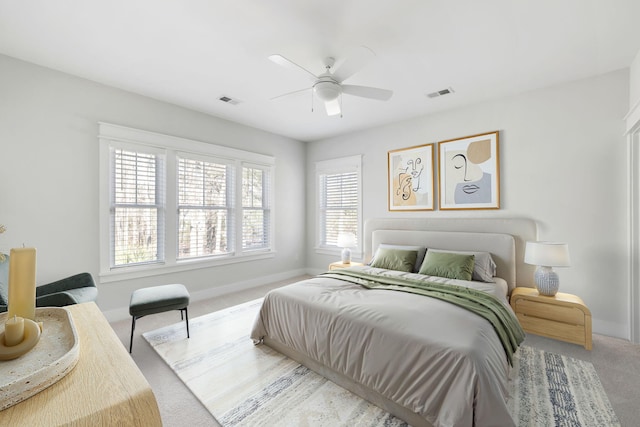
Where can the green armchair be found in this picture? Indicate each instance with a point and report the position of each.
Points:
(71, 290)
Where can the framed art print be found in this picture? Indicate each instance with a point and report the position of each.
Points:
(410, 180)
(469, 172)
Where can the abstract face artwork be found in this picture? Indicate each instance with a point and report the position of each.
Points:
(411, 178)
(469, 173)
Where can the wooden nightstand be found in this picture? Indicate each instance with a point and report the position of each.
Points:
(339, 264)
(563, 317)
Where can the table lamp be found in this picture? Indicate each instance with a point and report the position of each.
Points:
(547, 255)
(346, 241)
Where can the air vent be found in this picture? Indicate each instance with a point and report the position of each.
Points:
(440, 93)
(229, 100)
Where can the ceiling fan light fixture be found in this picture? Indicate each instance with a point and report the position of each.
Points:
(328, 87)
(327, 90)
(333, 108)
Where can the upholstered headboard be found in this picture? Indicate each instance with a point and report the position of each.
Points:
(501, 246)
(504, 238)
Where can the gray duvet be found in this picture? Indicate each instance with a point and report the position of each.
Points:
(436, 359)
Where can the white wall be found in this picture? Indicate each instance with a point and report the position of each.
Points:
(49, 177)
(634, 83)
(562, 154)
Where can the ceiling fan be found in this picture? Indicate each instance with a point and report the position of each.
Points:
(328, 85)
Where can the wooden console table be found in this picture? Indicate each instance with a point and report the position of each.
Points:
(105, 387)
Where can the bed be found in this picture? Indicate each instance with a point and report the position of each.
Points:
(431, 361)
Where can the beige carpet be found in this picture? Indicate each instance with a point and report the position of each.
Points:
(243, 384)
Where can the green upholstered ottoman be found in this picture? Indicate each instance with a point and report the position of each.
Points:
(158, 299)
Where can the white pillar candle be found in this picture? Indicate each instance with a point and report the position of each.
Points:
(13, 331)
(22, 283)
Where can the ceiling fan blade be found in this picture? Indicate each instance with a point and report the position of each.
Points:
(367, 92)
(291, 93)
(284, 62)
(333, 107)
(353, 64)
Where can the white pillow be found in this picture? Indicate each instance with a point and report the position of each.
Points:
(484, 268)
(421, 251)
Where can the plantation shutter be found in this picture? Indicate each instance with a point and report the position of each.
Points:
(256, 209)
(205, 208)
(137, 207)
(340, 199)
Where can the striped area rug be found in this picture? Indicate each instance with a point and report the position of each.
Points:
(549, 389)
(246, 385)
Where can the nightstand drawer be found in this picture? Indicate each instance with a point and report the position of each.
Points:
(570, 315)
(562, 331)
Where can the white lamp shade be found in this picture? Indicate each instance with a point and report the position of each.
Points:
(547, 254)
(346, 240)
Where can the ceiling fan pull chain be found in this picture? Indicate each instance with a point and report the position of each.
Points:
(340, 105)
(312, 101)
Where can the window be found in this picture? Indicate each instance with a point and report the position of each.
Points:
(167, 203)
(339, 203)
(205, 208)
(137, 207)
(256, 214)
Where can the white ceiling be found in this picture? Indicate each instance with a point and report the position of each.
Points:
(192, 52)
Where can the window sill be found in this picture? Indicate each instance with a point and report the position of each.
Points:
(127, 273)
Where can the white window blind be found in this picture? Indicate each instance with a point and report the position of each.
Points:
(256, 210)
(339, 199)
(205, 208)
(137, 207)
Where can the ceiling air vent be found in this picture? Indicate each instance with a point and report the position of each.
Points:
(440, 93)
(229, 100)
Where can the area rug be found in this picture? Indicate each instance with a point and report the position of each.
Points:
(246, 385)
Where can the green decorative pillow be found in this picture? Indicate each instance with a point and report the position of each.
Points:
(395, 259)
(449, 265)
(420, 249)
(484, 269)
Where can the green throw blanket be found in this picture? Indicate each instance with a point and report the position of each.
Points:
(483, 304)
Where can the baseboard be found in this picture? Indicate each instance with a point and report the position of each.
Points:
(122, 313)
(611, 329)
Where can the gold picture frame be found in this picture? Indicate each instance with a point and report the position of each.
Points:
(469, 172)
(410, 178)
